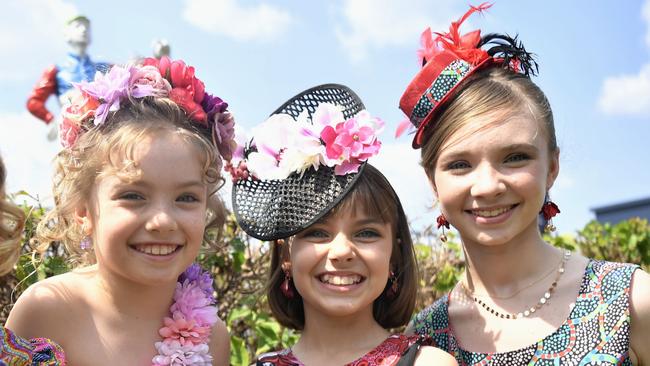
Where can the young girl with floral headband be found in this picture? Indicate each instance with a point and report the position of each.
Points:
(343, 270)
(135, 192)
(490, 152)
(15, 350)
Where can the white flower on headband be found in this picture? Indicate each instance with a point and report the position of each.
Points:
(285, 146)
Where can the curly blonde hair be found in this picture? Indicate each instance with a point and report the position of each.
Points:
(109, 149)
(12, 222)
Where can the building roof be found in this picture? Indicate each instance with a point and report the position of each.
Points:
(622, 206)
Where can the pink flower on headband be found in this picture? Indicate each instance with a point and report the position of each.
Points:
(349, 142)
(109, 89)
(147, 81)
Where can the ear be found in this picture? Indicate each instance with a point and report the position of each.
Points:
(82, 217)
(553, 168)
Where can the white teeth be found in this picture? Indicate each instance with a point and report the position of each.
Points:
(156, 249)
(490, 213)
(340, 280)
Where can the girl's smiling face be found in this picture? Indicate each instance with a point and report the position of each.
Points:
(341, 264)
(149, 229)
(492, 175)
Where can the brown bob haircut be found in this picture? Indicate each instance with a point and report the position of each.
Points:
(373, 194)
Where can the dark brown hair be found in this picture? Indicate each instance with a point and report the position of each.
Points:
(374, 194)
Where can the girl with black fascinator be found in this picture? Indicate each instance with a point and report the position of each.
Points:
(343, 270)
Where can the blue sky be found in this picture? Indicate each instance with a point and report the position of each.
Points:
(594, 67)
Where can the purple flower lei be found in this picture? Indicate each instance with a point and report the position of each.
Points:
(186, 332)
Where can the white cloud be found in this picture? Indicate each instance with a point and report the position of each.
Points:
(29, 31)
(378, 23)
(27, 154)
(261, 22)
(627, 94)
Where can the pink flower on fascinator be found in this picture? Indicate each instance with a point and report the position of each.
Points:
(146, 81)
(351, 142)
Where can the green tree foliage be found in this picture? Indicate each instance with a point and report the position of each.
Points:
(239, 267)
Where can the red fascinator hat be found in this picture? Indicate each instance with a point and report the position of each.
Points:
(449, 59)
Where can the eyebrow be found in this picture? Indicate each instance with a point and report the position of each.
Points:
(511, 147)
(187, 184)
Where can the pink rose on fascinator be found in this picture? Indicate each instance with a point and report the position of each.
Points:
(146, 81)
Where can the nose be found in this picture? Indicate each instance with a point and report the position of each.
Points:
(341, 249)
(488, 181)
(161, 219)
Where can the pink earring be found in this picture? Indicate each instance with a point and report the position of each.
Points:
(441, 220)
(549, 210)
(86, 243)
(394, 286)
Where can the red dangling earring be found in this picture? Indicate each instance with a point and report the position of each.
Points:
(549, 210)
(394, 286)
(442, 222)
(285, 287)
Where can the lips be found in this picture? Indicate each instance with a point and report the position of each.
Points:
(491, 212)
(340, 279)
(156, 249)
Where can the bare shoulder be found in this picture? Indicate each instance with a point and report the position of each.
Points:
(434, 356)
(640, 317)
(44, 306)
(220, 343)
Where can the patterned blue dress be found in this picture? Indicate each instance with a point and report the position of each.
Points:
(597, 331)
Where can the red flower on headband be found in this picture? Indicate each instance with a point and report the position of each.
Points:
(187, 91)
(465, 46)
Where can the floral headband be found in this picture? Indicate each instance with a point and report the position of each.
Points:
(447, 60)
(92, 102)
(282, 146)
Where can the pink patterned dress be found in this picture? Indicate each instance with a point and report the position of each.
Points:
(16, 351)
(388, 353)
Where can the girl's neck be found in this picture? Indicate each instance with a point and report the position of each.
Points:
(351, 336)
(131, 299)
(504, 269)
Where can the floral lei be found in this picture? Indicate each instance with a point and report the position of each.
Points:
(89, 104)
(282, 146)
(186, 333)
